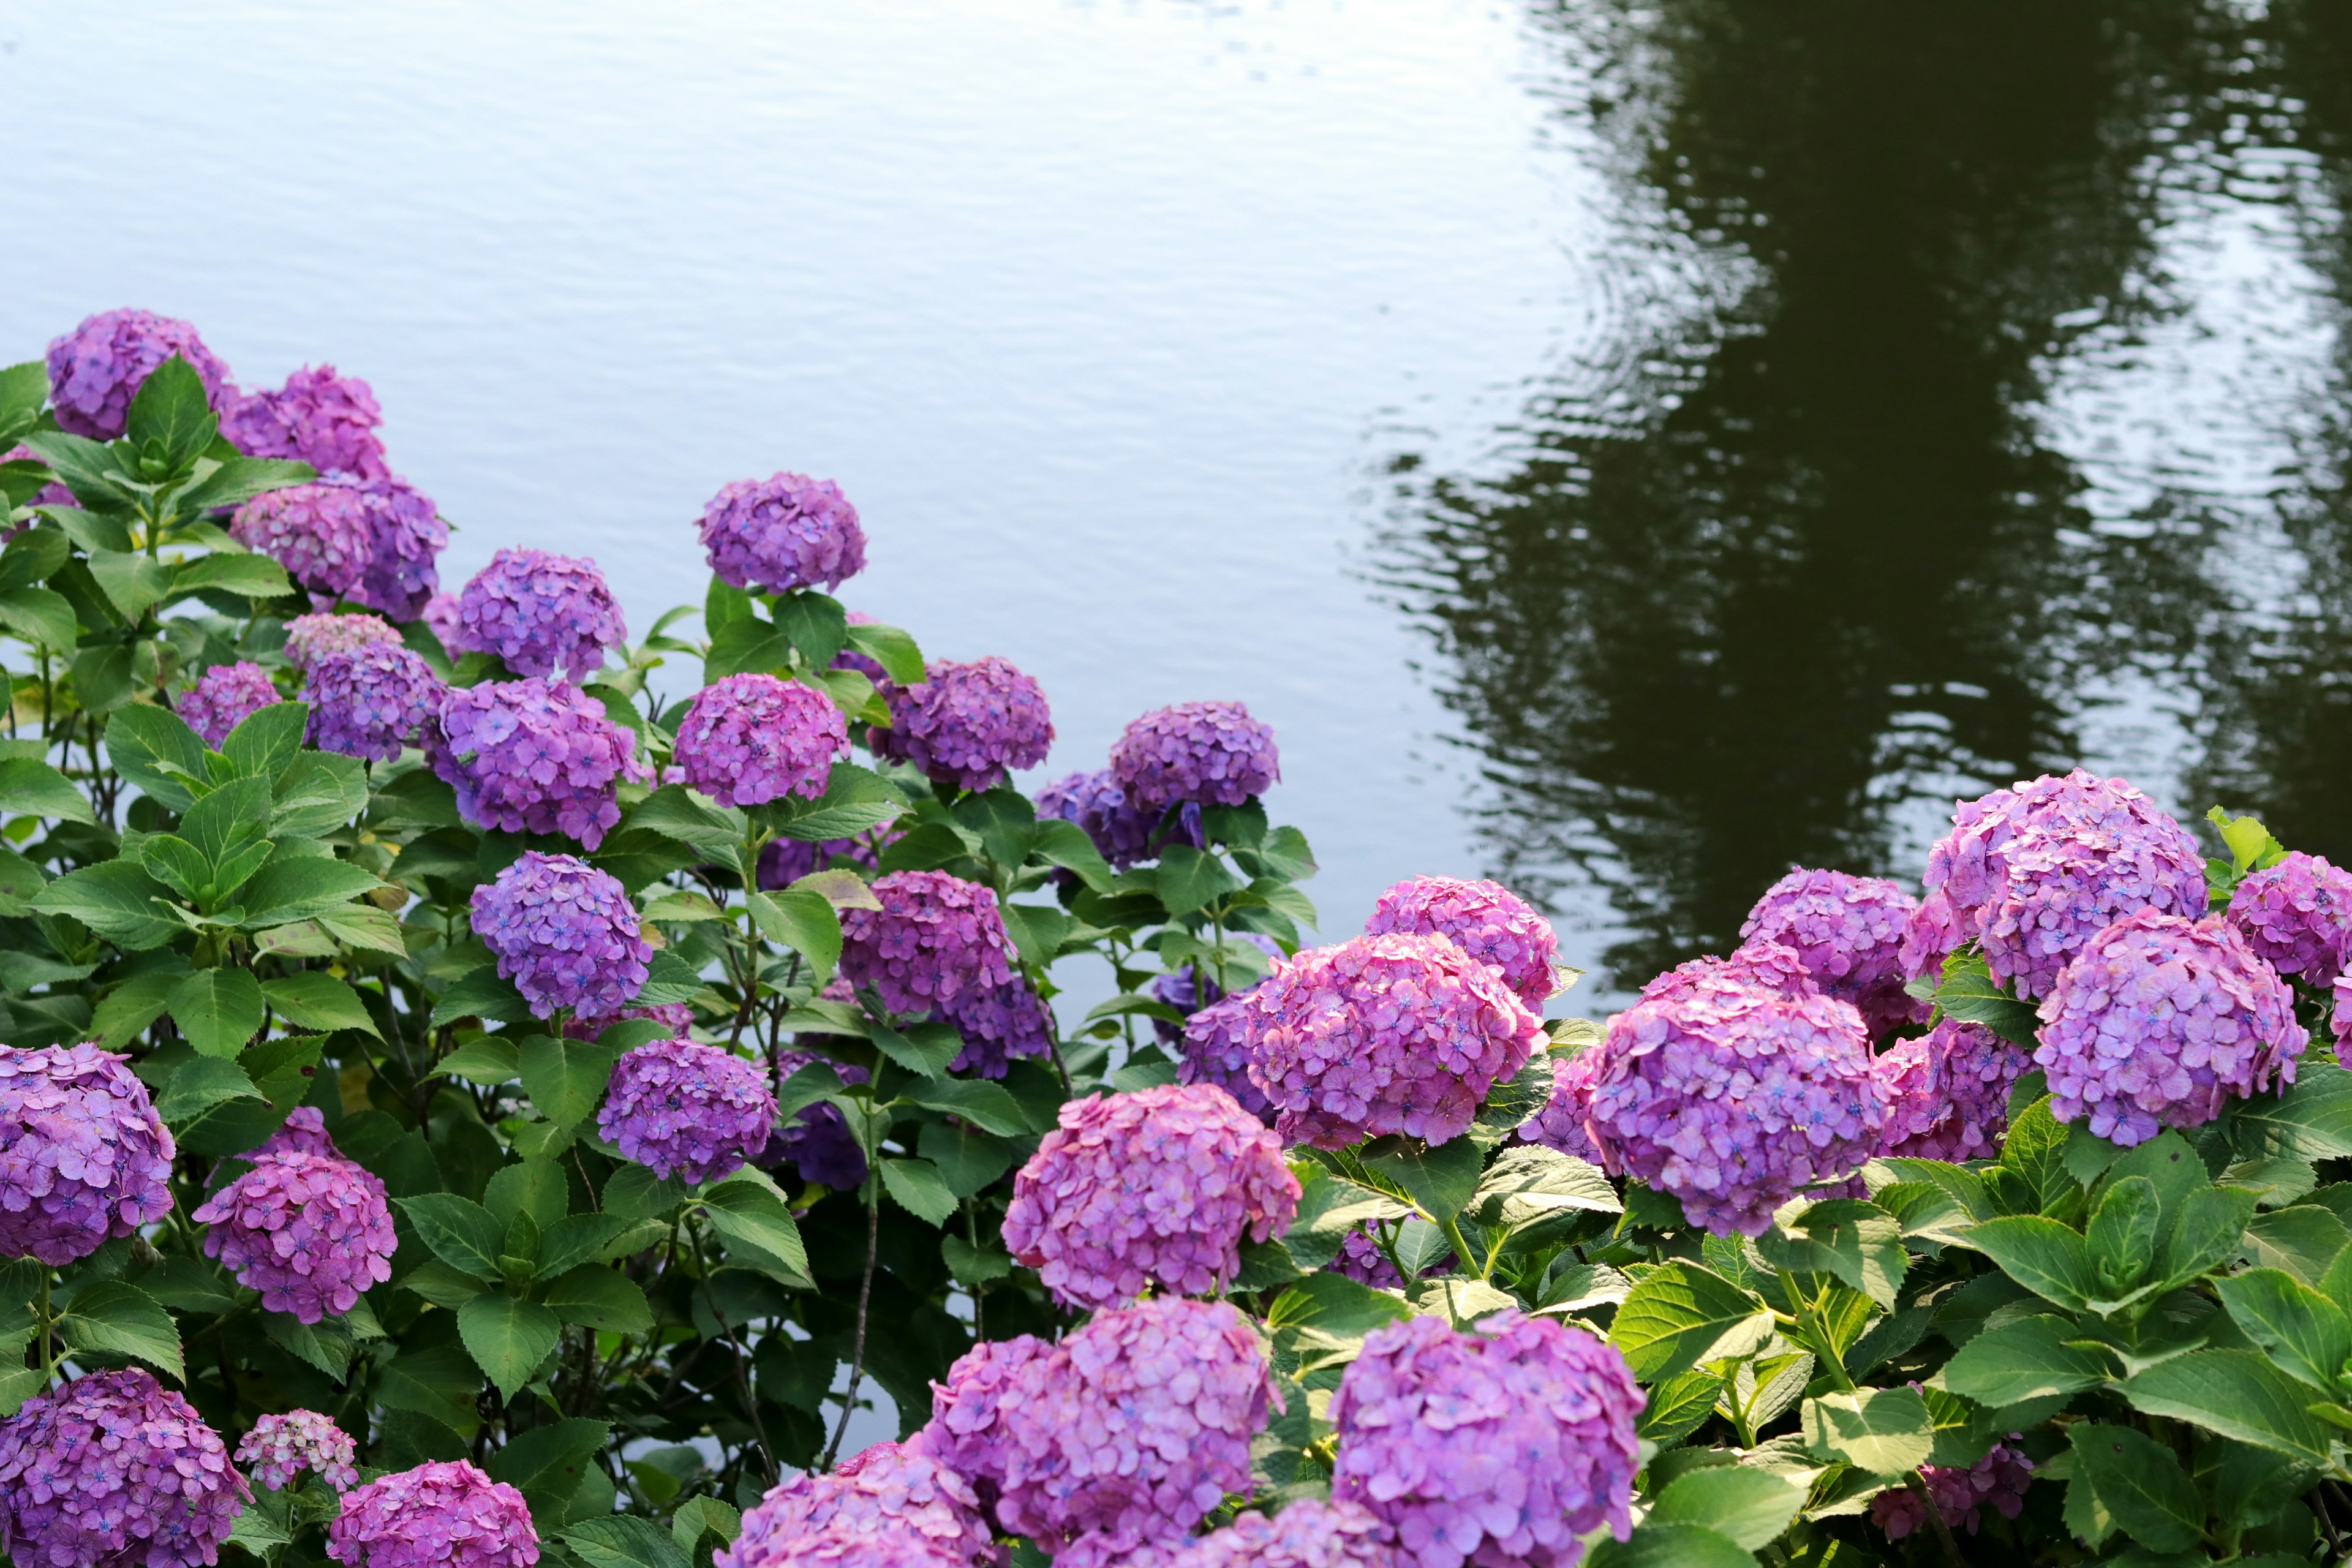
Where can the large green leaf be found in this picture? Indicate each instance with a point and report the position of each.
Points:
(1442, 1181)
(855, 799)
(115, 898)
(805, 922)
(2139, 1482)
(191, 1085)
(1886, 1431)
(1530, 1179)
(481, 993)
(2305, 1333)
(461, 1232)
(157, 751)
(126, 1320)
(2312, 1118)
(171, 415)
(1750, 1506)
(255, 576)
(1670, 1543)
(546, 1463)
(566, 1078)
(1969, 994)
(317, 792)
(1065, 844)
(2027, 1358)
(266, 739)
(240, 479)
(295, 888)
(2209, 1231)
(132, 583)
(33, 788)
(2048, 1258)
(987, 1106)
(578, 1239)
(2238, 1394)
(623, 1541)
(918, 1188)
(1191, 878)
(597, 1298)
(1329, 1206)
(750, 1215)
(1679, 1315)
(218, 1010)
(42, 616)
(313, 999)
(507, 1338)
(1856, 1241)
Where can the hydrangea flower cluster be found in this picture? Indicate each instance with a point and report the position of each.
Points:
(440, 613)
(99, 367)
(534, 756)
(304, 1132)
(319, 532)
(444, 1514)
(687, 1110)
(1121, 1437)
(2297, 916)
(1203, 753)
(281, 1447)
(1732, 1097)
(311, 638)
(1560, 1124)
(1768, 965)
(564, 932)
(311, 1232)
(1501, 1444)
(1997, 1481)
(223, 697)
(999, 1024)
(1933, 932)
(540, 612)
(115, 1469)
(937, 939)
(1383, 1033)
(890, 1489)
(781, 533)
(1485, 920)
(370, 702)
(817, 1142)
(405, 538)
(318, 418)
(1310, 1533)
(1848, 932)
(853, 1546)
(2158, 1020)
(1949, 1092)
(1214, 1048)
(1156, 1187)
(966, 724)
(83, 1156)
(1099, 806)
(753, 737)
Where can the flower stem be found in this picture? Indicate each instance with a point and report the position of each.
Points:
(865, 1298)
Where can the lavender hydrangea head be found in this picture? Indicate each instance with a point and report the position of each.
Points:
(370, 702)
(1383, 1033)
(1155, 1187)
(1500, 1444)
(1949, 1092)
(318, 418)
(534, 756)
(444, 1514)
(1560, 1124)
(319, 533)
(1931, 933)
(311, 1232)
(440, 614)
(970, 1413)
(887, 1489)
(1733, 1098)
(687, 1110)
(748, 739)
(1309, 1533)
(2158, 1020)
(113, 1468)
(1200, 753)
(223, 697)
(999, 1024)
(968, 724)
(405, 537)
(1770, 965)
(311, 638)
(1214, 1048)
(83, 1156)
(1997, 1481)
(1485, 920)
(564, 932)
(1180, 989)
(282, 1448)
(1848, 930)
(855, 1546)
(97, 368)
(1099, 806)
(935, 938)
(782, 533)
(2297, 916)
(304, 1132)
(542, 614)
(816, 1142)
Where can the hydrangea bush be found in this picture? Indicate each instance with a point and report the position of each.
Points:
(477, 1089)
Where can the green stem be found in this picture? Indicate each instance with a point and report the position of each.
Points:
(1462, 1253)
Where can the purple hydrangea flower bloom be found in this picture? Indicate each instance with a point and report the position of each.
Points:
(1768, 965)
(1099, 806)
(113, 1468)
(1732, 1097)
(969, 1411)
(1485, 920)
(319, 533)
(311, 1232)
(1931, 933)
(405, 537)
(1156, 1187)
(282, 1448)
(1309, 1533)
(817, 1142)
(887, 1489)
(440, 613)
(304, 1132)
(2161, 1019)
(99, 367)
(540, 613)
(564, 932)
(318, 418)
(2297, 915)
(781, 533)
(966, 724)
(936, 939)
(692, 1111)
(857, 1546)
(1560, 1124)
(750, 739)
(311, 638)
(1214, 1048)
(1200, 753)
(1848, 930)
(534, 756)
(1383, 1033)
(1998, 1480)
(1501, 1444)
(223, 697)
(370, 702)
(83, 1156)
(445, 1514)
(1949, 1092)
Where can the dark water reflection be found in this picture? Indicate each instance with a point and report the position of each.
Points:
(1880, 488)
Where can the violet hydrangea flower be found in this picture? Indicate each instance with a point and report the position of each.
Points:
(966, 724)
(564, 932)
(444, 1514)
(311, 638)
(534, 756)
(1769, 965)
(1155, 1187)
(1214, 1048)
(936, 939)
(304, 1132)
(97, 368)
(1200, 753)
(440, 614)
(1560, 1124)
(319, 533)
(2297, 915)
(1485, 920)
(281, 1447)
(1099, 806)
(687, 1110)
(858, 1546)
(318, 418)
(1309, 1533)
(1383, 1033)
(1949, 1092)
(969, 1410)
(223, 697)
(1500, 1444)
(752, 738)
(1997, 1481)
(311, 1231)
(83, 1156)
(405, 537)
(540, 612)
(2158, 1020)
(370, 702)
(1849, 932)
(782, 533)
(816, 1142)
(890, 1489)
(113, 1470)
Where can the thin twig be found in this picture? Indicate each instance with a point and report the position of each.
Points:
(865, 1297)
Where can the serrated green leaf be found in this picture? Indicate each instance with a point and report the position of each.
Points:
(218, 1010)
(2305, 1333)
(546, 1464)
(916, 1186)
(2027, 1358)
(507, 1338)
(565, 1077)
(2238, 1394)
(32, 788)
(315, 1000)
(1751, 1507)
(459, 1231)
(803, 922)
(112, 1316)
(1886, 1431)
(2048, 1258)
(597, 1298)
(1679, 1315)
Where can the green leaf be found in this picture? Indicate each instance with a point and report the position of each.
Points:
(746, 644)
(973, 1265)
(546, 1464)
(486, 1060)
(295, 888)
(1329, 1206)
(316, 1000)
(1680, 1315)
(2046, 1257)
(1858, 1242)
(197, 1084)
(42, 616)
(173, 412)
(805, 922)
(240, 479)
(1530, 1180)
(326, 1345)
(750, 1215)
(565, 1077)
(634, 1193)
(481, 993)
(924, 1050)
(986, 1105)
(814, 623)
(2122, 1234)
(2238, 1394)
(1969, 994)
(2027, 1358)
(157, 751)
(891, 648)
(252, 575)
(116, 900)
(597, 1298)
(622, 1542)
(1679, 1404)
(507, 1339)
(360, 926)
(2305, 1333)
(460, 1232)
(918, 1187)
(1886, 1431)
(2139, 1481)
(31, 788)
(2209, 1230)
(855, 799)
(567, 1242)
(218, 1010)
(1066, 845)
(126, 1320)
(133, 1005)
(2313, 1118)
(1442, 1181)
(1193, 878)
(1670, 1543)
(536, 1187)
(317, 792)
(265, 739)
(21, 882)
(132, 583)
(2303, 1239)
(1751, 1507)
